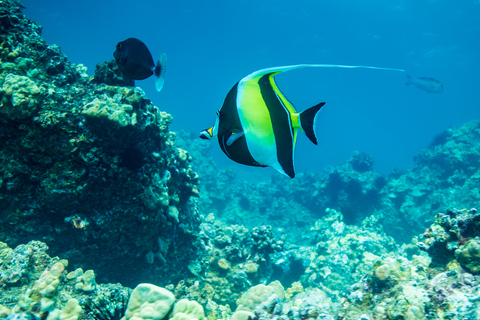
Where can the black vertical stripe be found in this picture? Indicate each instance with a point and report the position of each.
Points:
(229, 122)
(281, 123)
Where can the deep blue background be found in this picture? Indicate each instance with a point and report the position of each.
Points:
(212, 44)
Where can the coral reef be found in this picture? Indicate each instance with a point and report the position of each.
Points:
(108, 73)
(149, 302)
(233, 259)
(344, 253)
(452, 235)
(88, 167)
(387, 284)
(445, 175)
(36, 285)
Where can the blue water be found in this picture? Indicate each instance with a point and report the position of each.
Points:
(212, 44)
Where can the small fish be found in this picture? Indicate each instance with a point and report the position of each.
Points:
(136, 62)
(257, 125)
(427, 84)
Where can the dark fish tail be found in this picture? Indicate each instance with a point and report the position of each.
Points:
(409, 80)
(159, 71)
(307, 121)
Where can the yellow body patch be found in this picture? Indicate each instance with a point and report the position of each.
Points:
(256, 122)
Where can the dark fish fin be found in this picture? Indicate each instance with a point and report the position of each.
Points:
(159, 71)
(290, 172)
(307, 121)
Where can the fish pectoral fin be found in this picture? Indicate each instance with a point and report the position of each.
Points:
(159, 71)
(234, 137)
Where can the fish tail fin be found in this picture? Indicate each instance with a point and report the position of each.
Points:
(159, 71)
(307, 121)
(409, 80)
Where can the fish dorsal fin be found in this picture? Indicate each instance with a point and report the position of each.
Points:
(271, 72)
(275, 70)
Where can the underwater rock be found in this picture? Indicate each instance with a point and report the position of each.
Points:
(468, 255)
(148, 301)
(242, 315)
(47, 286)
(109, 73)
(44, 292)
(445, 288)
(19, 265)
(71, 311)
(392, 287)
(233, 259)
(256, 296)
(264, 241)
(87, 167)
(416, 294)
(122, 115)
(86, 281)
(343, 253)
(20, 97)
(445, 175)
(449, 233)
(187, 310)
(383, 272)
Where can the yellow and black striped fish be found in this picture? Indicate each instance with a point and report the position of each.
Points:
(257, 125)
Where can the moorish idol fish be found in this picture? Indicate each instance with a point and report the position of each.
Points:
(426, 84)
(257, 125)
(135, 61)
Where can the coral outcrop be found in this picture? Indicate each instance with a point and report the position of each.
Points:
(449, 233)
(33, 283)
(385, 281)
(234, 258)
(446, 288)
(443, 176)
(87, 167)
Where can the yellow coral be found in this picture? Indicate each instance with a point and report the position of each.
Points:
(121, 114)
(223, 264)
(293, 290)
(468, 255)
(188, 310)
(18, 97)
(383, 272)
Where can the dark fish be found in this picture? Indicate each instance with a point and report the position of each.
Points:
(425, 83)
(136, 62)
(257, 125)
